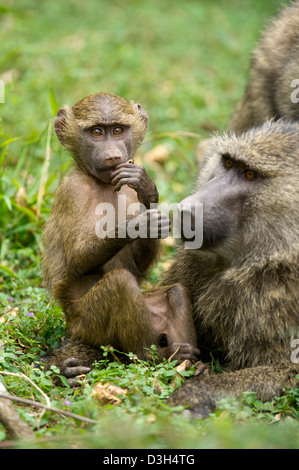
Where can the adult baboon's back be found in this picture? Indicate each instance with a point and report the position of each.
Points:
(273, 86)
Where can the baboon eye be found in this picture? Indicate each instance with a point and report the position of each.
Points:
(96, 131)
(249, 174)
(117, 130)
(228, 163)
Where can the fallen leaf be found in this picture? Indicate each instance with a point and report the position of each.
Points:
(183, 366)
(106, 394)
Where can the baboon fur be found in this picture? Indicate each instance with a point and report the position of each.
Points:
(96, 278)
(275, 64)
(245, 291)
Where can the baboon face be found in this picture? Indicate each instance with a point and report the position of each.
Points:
(101, 131)
(104, 146)
(245, 186)
(223, 197)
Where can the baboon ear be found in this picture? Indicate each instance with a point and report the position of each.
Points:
(141, 111)
(61, 124)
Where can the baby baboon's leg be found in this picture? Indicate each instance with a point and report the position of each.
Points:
(113, 312)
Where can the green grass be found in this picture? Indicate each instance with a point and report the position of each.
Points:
(187, 63)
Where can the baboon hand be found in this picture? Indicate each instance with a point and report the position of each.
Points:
(183, 351)
(203, 369)
(136, 177)
(71, 370)
(149, 224)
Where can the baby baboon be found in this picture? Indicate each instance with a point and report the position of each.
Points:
(93, 270)
(273, 85)
(244, 280)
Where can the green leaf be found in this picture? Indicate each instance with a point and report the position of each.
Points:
(64, 381)
(8, 271)
(148, 389)
(53, 103)
(185, 373)
(170, 373)
(3, 144)
(26, 211)
(7, 200)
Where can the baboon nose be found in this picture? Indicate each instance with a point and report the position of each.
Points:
(112, 160)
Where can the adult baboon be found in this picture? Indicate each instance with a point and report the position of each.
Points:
(273, 87)
(244, 280)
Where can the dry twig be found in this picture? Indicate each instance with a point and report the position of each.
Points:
(12, 422)
(21, 375)
(48, 408)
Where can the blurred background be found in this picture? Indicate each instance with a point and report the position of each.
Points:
(187, 63)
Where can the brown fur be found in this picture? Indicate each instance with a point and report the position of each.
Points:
(96, 280)
(244, 291)
(275, 64)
